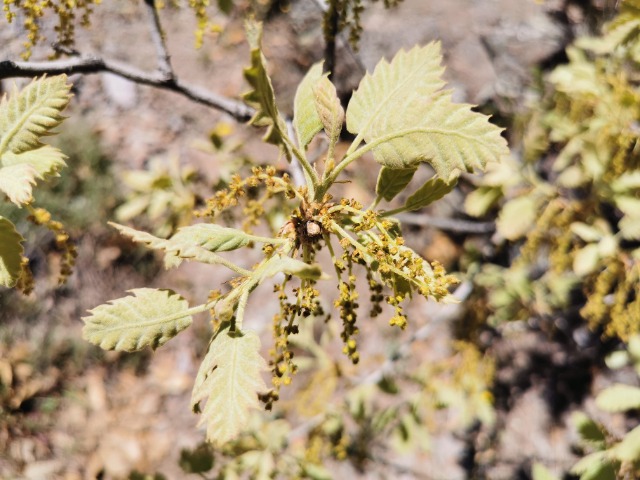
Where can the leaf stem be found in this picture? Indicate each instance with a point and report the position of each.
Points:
(311, 176)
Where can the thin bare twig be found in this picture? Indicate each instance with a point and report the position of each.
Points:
(87, 64)
(448, 224)
(157, 37)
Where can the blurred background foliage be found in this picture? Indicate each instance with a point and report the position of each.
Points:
(562, 268)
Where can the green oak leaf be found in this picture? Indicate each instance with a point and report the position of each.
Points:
(27, 115)
(619, 398)
(306, 121)
(149, 318)
(229, 378)
(11, 251)
(262, 97)
(391, 181)
(329, 108)
(405, 117)
(433, 189)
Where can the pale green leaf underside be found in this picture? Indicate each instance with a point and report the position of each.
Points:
(517, 217)
(10, 253)
(196, 242)
(433, 189)
(17, 181)
(628, 450)
(391, 181)
(46, 160)
(32, 113)
(230, 379)
(149, 318)
(401, 112)
(619, 398)
(262, 97)
(328, 107)
(305, 118)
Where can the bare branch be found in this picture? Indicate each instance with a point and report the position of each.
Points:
(90, 64)
(448, 224)
(157, 37)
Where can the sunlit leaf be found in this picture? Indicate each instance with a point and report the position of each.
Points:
(229, 379)
(595, 466)
(540, 472)
(262, 97)
(402, 111)
(33, 112)
(586, 260)
(305, 117)
(619, 398)
(391, 181)
(10, 253)
(628, 450)
(149, 318)
(517, 217)
(197, 242)
(17, 182)
(46, 160)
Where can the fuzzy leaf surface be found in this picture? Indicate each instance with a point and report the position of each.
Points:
(329, 108)
(262, 97)
(433, 189)
(149, 318)
(17, 181)
(402, 111)
(391, 181)
(10, 253)
(46, 160)
(28, 115)
(229, 379)
(196, 242)
(305, 117)
(619, 398)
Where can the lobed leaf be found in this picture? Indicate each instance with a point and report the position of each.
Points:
(229, 379)
(391, 181)
(32, 113)
(619, 398)
(46, 160)
(10, 253)
(401, 112)
(306, 121)
(197, 242)
(262, 97)
(433, 189)
(17, 181)
(149, 318)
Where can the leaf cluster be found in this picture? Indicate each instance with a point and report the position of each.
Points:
(402, 116)
(25, 117)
